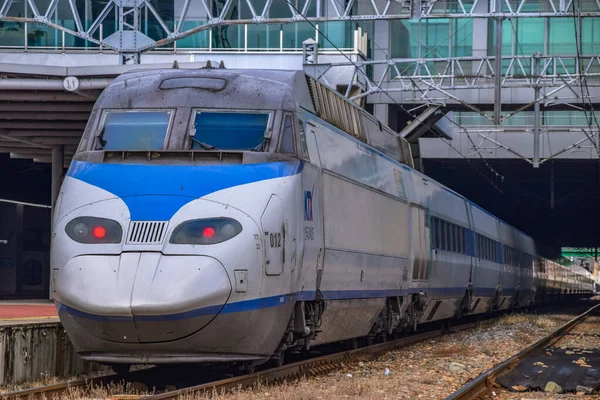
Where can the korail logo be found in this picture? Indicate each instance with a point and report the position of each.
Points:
(308, 205)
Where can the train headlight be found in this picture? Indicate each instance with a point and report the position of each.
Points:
(205, 231)
(89, 230)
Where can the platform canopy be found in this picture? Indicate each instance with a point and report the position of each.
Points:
(42, 107)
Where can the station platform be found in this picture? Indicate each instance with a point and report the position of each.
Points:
(27, 311)
(33, 343)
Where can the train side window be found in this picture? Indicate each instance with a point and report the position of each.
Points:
(443, 229)
(287, 143)
(432, 232)
(439, 233)
(484, 248)
(435, 226)
(496, 258)
(454, 238)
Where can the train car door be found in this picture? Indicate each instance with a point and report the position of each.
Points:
(312, 175)
(421, 245)
(273, 226)
(472, 246)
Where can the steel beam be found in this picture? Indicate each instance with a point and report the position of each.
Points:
(16, 148)
(41, 125)
(48, 160)
(44, 132)
(130, 41)
(57, 140)
(7, 144)
(58, 160)
(51, 84)
(411, 74)
(536, 116)
(44, 116)
(498, 69)
(25, 96)
(47, 107)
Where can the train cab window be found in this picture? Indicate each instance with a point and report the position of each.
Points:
(134, 130)
(229, 131)
(287, 144)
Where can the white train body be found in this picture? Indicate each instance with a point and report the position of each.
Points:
(328, 235)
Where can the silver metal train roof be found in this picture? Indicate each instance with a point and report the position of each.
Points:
(211, 88)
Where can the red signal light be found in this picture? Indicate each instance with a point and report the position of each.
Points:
(99, 232)
(209, 232)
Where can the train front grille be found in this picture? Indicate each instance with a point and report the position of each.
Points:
(146, 232)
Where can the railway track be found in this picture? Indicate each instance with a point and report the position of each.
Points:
(309, 367)
(483, 385)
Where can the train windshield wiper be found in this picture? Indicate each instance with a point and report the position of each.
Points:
(203, 145)
(101, 141)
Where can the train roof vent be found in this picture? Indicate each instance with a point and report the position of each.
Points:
(334, 109)
(146, 232)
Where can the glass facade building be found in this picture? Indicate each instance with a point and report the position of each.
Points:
(432, 40)
(252, 37)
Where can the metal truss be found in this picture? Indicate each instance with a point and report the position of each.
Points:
(130, 40)
(408, 75)
(441, 77)
(487, 145)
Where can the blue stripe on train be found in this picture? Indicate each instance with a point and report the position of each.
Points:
(267, 302)
(156, 192)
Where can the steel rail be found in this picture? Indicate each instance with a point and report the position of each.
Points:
(311, 367)
(47, 392)
(484, 383)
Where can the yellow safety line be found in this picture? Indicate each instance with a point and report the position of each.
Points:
(28, 318)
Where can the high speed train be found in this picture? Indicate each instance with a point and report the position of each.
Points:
(229, 216)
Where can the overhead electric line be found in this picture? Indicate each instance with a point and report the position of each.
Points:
(401, 106)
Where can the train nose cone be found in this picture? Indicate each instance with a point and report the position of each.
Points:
(142, 297)
(175, 296)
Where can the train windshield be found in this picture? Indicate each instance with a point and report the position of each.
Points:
(134, 130)
(229, 131)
